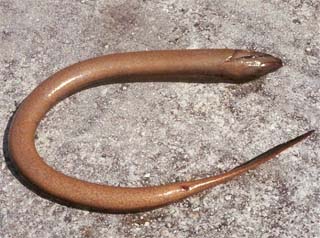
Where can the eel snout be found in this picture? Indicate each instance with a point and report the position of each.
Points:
(247, 65)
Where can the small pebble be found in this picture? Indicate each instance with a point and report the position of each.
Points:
(228, 197)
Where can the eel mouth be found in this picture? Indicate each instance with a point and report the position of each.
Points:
(256, 59)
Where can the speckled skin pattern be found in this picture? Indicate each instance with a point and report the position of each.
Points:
(156, 133)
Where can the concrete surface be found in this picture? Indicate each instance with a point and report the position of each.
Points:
(147, 134)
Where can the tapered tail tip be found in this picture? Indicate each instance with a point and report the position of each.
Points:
(305, 135)
(300, 138)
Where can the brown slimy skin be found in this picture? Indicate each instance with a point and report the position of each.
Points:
(215, 65)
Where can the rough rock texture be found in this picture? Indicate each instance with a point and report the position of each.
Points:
(154, 133)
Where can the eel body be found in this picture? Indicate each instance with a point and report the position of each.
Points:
(203, 66)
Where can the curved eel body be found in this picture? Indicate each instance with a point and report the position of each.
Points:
(213, 65)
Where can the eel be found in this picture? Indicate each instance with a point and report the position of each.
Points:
(198, 66)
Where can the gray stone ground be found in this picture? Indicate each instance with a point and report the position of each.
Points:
(153, 133)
